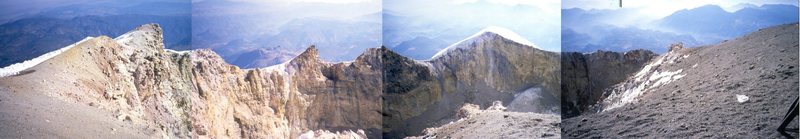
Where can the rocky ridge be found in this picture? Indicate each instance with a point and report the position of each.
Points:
(196, 94)
(158, 92)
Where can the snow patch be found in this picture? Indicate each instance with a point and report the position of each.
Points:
(661, 78)
(498, 106)
(325, 134)
(503, 32)
(179, 52)
(506, 33)
(279, 68)
(14, 69)
(650, 77)
(742, 98)
(145, 37)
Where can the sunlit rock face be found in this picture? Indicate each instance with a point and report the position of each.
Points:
(196, 94)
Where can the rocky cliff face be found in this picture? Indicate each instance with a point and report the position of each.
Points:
(586, 76)
(479, 70)
(196, 94)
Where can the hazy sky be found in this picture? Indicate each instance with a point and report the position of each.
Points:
(15, 9)
(295, 1)
(536, 20)
(288, 9)
(661, 8)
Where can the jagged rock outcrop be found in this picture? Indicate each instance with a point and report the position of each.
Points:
(482, 69)
(196, 94)
(694, 92)
(586, 76)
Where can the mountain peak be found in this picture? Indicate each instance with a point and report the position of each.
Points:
(152, 27)
(505, 33)
(147, 36)
(311, 51)
(486, 34)
(710, 8)
(310, 54)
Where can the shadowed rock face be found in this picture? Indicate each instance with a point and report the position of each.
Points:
(586, 76)
(195, 94)
(402, 74)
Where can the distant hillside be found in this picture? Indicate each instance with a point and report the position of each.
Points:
(713, 22)
(608, 30)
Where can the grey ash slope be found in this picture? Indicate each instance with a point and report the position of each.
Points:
(762, 65)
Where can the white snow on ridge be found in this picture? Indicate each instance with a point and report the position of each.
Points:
(124, 38)
(650, 77)
(503, 32)
(140, 37)
(506, 33)
(178, 52)
(14, 69)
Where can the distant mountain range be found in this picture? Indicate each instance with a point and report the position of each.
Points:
(620, 39)
(420, 36)
(27, 38)
(337, 40)
(36, 33)
(591, 30)
(716, 24)
(420, 47)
